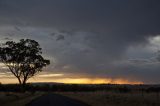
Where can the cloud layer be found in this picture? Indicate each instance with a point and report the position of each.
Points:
(108, 39)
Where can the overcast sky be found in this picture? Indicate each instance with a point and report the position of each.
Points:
(108, 39)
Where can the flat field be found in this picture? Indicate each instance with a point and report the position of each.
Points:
(93, 95)
(17, 99)
(115, 99)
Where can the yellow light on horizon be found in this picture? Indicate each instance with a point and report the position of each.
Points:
(63, 78)
(98, 81)
(88, 81)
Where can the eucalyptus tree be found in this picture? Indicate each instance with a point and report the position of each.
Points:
(24, 59)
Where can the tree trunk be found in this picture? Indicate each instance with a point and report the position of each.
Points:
(21, 85)
(20, 82)
(24, 83)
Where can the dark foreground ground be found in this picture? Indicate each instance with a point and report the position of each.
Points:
(50, 94)
(55, 100)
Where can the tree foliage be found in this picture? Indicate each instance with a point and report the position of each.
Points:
(24, 58)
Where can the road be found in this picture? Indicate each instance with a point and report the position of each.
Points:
(55, 100)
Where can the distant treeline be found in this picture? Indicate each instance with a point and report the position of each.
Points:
(80, 88)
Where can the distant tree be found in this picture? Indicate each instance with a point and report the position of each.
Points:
(23, 59)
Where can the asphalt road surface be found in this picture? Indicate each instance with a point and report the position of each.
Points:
(55, 100)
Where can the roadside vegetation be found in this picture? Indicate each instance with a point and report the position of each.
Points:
(17, 99)
(94, 95)
(101, 98)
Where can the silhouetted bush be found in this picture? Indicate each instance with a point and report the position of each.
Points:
(124, 89)
(79, 88)
(153, 89)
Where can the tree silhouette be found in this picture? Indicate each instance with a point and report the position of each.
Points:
(23, 59)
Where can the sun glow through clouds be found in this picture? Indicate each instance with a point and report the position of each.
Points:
(62, 78)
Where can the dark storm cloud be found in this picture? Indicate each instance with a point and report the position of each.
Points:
(60, 37)
(92, 34)
(102, 15)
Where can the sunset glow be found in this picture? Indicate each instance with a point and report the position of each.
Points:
(7, 77)
(97, 81)
(63, 79)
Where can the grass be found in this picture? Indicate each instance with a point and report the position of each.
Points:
(98, 98)
(94, 95)
(17, 99)
(115, 99)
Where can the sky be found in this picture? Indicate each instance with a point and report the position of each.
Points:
(87, 41)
